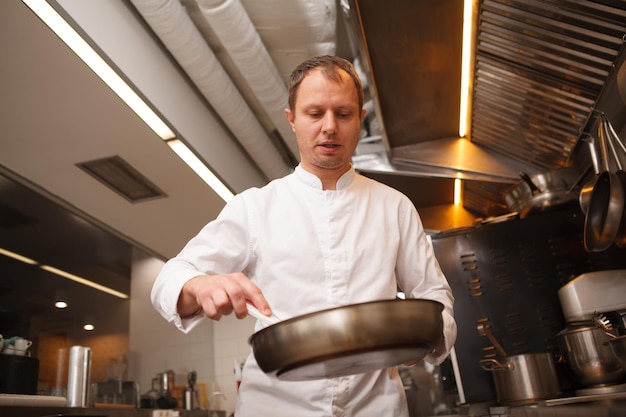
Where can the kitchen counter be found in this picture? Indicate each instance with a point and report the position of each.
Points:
(602, 408)
(28, 411)
(17, 405)
(609, 409)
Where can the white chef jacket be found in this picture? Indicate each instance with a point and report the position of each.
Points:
(310, 249)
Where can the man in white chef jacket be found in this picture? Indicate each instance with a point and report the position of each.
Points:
(321, 237)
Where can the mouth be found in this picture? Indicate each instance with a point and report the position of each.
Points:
(329, 145)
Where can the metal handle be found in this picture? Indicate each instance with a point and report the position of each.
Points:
(593, 152)
(483, 330)
(493, 365)
(533, 188)
(603, 142)
(267, 320)
(612, 138)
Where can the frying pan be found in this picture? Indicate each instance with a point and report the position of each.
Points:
(542, 191)
(613, 139)
(349, 340)
(606, 204)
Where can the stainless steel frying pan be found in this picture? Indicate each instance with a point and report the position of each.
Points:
(349, 340)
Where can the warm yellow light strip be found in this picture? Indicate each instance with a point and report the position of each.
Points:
(62, 273)
(83, 281)
(468, 12)
(458, 185)
(200, 169)
(85, 52)
(18, 257)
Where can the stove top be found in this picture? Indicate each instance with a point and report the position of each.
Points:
(608, 392)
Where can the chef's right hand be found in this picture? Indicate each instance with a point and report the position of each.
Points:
(220, 295)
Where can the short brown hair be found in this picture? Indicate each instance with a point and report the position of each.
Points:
(330, 66)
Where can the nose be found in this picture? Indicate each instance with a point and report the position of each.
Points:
(329, 125)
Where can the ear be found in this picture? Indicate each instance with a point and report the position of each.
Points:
(290, 118)
(363, 111)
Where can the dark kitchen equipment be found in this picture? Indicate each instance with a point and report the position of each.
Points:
(589, 358)
(166, 402)
(606, 205)
(494, 278)
(148, 400)
(543, 191)
(18, 374)
(349, 340)
(523, 379)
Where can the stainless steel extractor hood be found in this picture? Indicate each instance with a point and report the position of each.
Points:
(539, 68)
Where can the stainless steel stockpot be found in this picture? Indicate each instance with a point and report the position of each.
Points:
(524, 379)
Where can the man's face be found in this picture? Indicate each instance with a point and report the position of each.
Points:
(327, 122)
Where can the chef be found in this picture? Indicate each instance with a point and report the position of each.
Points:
(321, 237)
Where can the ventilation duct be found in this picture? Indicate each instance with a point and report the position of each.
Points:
(170, 22)
(246, 49)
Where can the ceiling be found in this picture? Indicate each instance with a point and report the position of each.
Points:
(539, 71)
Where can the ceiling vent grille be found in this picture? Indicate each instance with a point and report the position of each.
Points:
(121, 177)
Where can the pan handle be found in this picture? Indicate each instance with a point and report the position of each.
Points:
(602, 136)
(267, 320)
(493, 365)
(533, 188)
(612, 138)
(593, 152)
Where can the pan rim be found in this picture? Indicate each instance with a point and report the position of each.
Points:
(344, 307)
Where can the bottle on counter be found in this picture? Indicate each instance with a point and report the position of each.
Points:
(191, 398)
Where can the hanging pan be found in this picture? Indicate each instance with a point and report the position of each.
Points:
(606, 205)
(614, 141)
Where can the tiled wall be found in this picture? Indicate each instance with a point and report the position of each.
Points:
(211, 349)
(230, 343)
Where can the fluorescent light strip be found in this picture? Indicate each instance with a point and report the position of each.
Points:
(457, 191)
(199, 168)
(468, 12)
(18, 257)
(83, 281)
(63, 274)
(85, 52)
